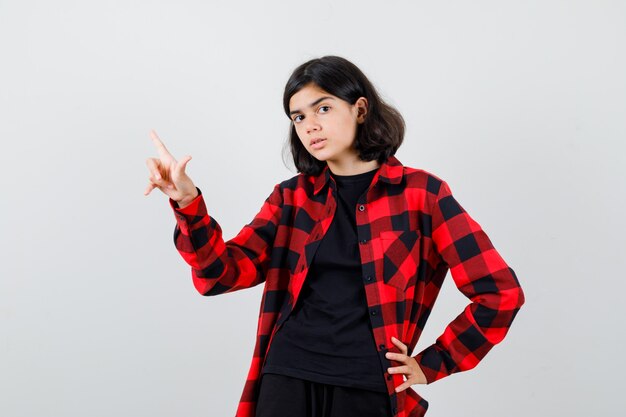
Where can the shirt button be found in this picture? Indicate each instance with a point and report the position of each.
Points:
(363, 241)
(361, 207)
(373, 312)
(381, 347)
(389, 377)
(368, 278)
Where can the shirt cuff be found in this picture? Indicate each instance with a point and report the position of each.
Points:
(435, 363)
(189, 210)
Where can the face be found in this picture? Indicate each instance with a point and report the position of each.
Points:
(326, 124)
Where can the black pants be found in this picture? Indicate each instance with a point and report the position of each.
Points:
(285, 396)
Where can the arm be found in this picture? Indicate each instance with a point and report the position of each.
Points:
(481, 275)
(217, 266)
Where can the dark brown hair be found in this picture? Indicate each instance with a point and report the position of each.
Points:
(378, 137)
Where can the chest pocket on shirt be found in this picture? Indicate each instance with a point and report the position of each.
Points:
(401, 254)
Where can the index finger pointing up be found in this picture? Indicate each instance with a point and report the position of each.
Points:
(163, 152)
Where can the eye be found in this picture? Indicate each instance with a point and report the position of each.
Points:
(325, 107)
(295, 119)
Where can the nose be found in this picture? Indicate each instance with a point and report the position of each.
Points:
(312, 124)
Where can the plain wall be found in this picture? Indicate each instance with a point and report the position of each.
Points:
(519, 105)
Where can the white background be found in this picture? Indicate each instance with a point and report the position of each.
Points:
(519, 105)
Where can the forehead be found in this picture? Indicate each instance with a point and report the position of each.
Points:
(307, 94)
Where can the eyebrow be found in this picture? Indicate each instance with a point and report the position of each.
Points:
(312, 104)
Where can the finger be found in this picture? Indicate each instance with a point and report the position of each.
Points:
(149, 188)
(398, 357)
(161, 149)
(160, 183)
(397, 341)
(153, 167)
(401, 345)
(400, 370)
(403, 386)
(180, 166)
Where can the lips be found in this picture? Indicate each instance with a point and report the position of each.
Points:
(316, 140)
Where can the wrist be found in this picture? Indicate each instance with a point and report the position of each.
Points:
(185, 201)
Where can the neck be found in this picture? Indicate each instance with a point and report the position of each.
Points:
(352, 167)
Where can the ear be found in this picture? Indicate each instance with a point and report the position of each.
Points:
(361, 109)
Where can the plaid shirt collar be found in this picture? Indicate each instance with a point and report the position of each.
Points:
(390, 171)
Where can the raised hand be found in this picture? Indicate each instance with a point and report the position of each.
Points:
(168, 175)
(412, 372)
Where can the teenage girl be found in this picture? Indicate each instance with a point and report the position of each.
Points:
(353, 251)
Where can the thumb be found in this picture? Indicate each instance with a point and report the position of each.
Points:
(180, 167)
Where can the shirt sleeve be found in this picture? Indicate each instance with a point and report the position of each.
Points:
(481, 274)
(219, 266)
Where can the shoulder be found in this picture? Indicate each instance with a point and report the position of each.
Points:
(425, 179)
(301, 183)
(293, 182)
(285, 189)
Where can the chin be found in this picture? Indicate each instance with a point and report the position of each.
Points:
(321, 157)
(318, 154)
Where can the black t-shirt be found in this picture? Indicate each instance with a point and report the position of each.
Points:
(328, 337)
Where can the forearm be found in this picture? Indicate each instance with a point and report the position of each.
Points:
(483, 276)
(472, 334)
(220, 266)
